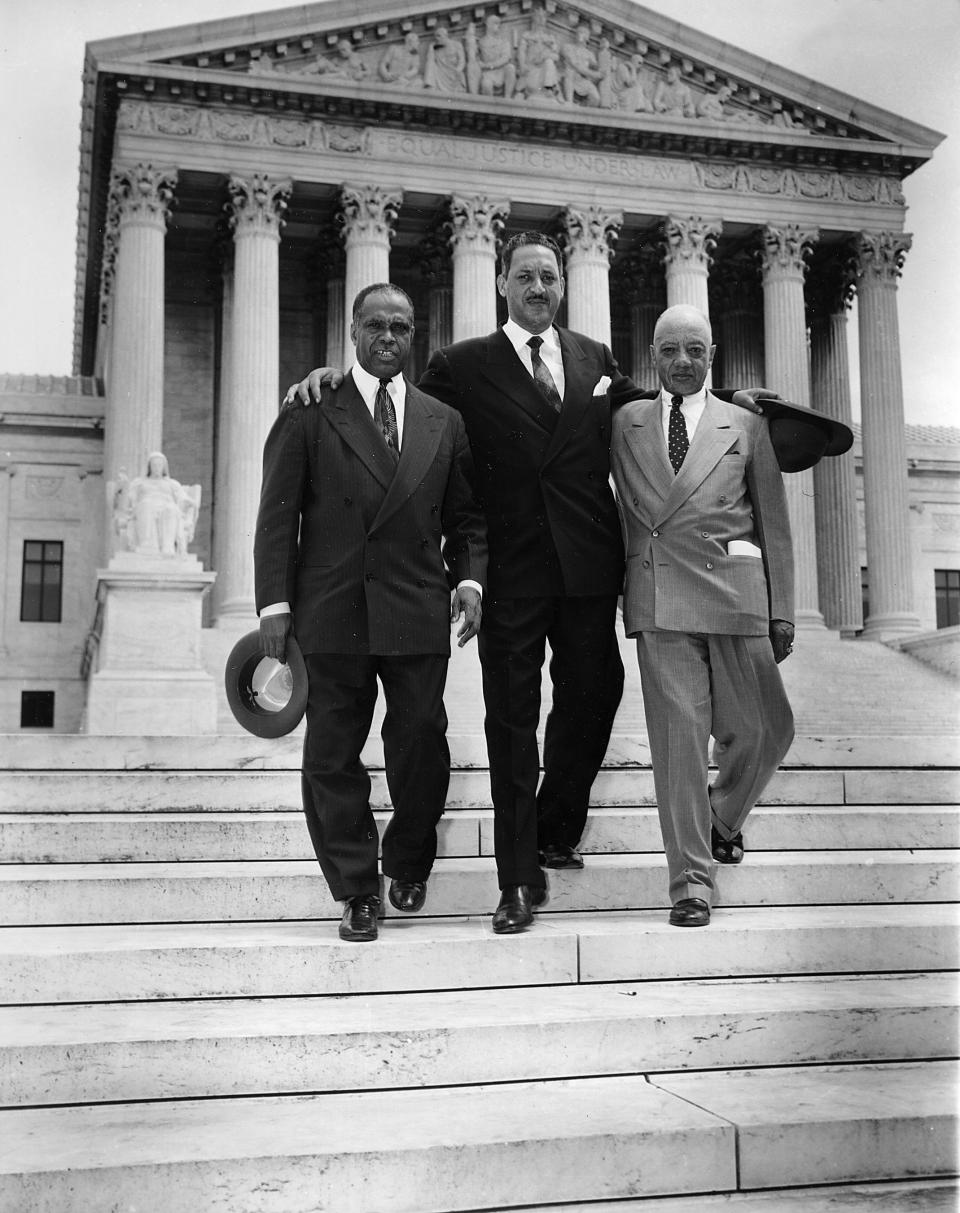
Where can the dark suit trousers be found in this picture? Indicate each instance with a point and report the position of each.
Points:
(587, 676)
(335, 783)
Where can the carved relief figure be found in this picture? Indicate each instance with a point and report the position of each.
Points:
(580, 70)
(154, 513)
(605, 74)
(712, 105)
(631, 86)
(538, 56)
(672, 96)
(490, 66)
(401, 63)
(446, 61)
(348, 65)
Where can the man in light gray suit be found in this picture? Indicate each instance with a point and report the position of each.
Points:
(709, 597)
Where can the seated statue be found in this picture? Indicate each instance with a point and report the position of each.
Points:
(154, 514)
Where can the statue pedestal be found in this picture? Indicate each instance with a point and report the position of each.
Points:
(149, 678)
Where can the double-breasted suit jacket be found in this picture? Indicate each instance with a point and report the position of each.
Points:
(542, 478)
(363, 549)
(680, 576)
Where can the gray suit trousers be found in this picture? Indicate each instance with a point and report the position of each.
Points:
(694, 686)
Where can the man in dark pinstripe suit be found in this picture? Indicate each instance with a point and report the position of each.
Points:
(366, 502)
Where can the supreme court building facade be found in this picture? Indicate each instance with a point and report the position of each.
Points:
(242, 179)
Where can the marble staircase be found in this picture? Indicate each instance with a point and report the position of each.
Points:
(181, 1029)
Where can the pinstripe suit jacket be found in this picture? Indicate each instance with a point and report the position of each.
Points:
(680, 576)
(359, 546)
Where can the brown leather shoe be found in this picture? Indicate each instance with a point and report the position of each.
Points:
(407, 896)
(359, 922)
(690, 912)
(515, 911)
(559, 855)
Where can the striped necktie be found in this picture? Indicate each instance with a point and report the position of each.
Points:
(385, 419)
(542, 375)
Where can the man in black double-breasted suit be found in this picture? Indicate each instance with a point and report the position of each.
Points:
(367, 502)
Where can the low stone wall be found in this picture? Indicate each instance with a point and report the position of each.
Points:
(940, 649)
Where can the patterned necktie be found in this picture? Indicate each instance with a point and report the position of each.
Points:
(385, 419)
(542, 375)
(677, 440)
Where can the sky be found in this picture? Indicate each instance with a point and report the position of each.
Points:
(898, 54)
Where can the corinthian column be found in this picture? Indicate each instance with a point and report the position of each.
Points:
(475, 224)
(433, 257)
(590, 233)
(738, 305)
(139, 208)
(688, 251)
(639, 278)
(829, 291)
(256, 212)
(880, 261)
(367, 215)
(785, 250)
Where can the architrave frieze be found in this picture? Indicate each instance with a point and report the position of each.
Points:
(322, 150)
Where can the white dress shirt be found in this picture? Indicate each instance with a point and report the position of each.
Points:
(691, 410)
(549, 351)
(367, 386)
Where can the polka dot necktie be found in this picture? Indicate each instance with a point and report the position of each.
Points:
(542, 375)
(677, 440)
(385, 419)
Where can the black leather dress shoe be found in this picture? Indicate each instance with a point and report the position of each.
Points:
(359, 922)
(559, 855)
(726, 850)
(407, 895)
(515, 911)
(690, 912)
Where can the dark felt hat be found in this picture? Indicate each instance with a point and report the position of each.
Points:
(266, 696)
(801, 437)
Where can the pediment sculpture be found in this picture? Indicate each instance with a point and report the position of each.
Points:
(560, 61)
(153, 514)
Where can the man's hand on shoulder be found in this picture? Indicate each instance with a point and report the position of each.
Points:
(307, 391)
(466, 602)
(274, 630)
(781, 637)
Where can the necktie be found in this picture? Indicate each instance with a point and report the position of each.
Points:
(385, 419)
(677, 440)
(542, 375)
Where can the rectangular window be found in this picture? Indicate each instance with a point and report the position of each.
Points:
(36, 709)
(947, 582)
(41, 594)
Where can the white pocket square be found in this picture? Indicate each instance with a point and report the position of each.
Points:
(603, 384)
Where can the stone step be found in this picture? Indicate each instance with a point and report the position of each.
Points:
(833, 1123)
(261, 790)
(267, 959)
(54, 894)
(920, 1196)
(499, 1146)
(183, 1050)
(214, 836)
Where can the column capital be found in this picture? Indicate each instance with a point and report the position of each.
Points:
(639, 275)
(257, 204)
(786, 249)
(590, 231)
(689, 242)
(368, 212)
(735, 281)
(140, 193)
(880, 256)
(831, 282)
(476, 221)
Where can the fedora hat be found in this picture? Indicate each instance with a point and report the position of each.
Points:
(266, 696)
(800, 436)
